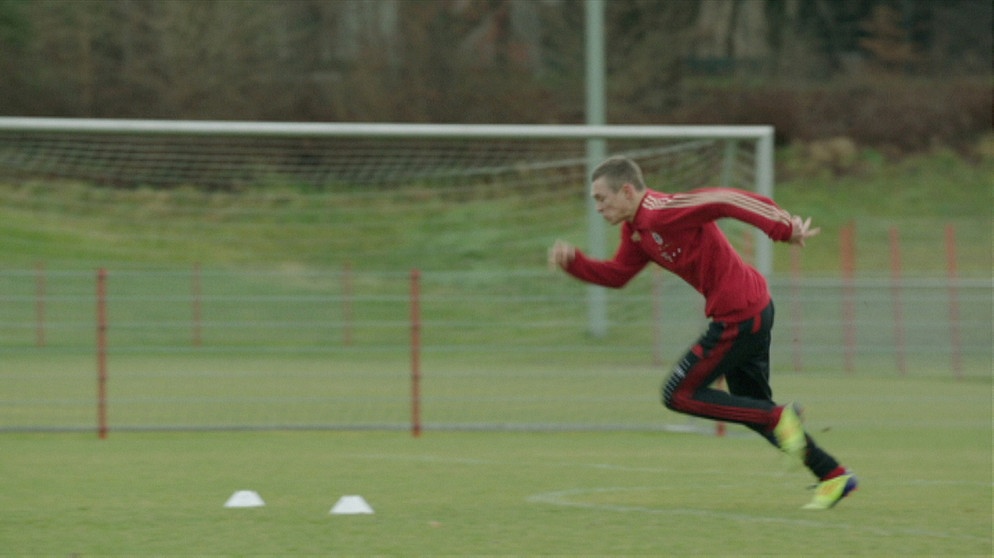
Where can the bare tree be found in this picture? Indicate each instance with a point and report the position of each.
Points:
(444, 60)
(645, 48)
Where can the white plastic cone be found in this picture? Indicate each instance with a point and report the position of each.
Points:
(245, 499)
(348, 505)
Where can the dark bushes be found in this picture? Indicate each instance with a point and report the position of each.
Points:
(896, 116)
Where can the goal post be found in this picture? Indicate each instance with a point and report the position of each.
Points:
(227, 155)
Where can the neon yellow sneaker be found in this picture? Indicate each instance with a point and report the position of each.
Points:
(829, 492)
(789, 433)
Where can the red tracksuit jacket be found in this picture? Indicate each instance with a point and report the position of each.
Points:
(678, 232)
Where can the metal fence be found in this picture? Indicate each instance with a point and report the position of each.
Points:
(240, 349)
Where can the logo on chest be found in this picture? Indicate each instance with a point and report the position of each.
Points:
(666, 250)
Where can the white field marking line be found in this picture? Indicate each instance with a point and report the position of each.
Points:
(659, 470)
(779, 474)
(563, 498)
(560, 498)
(431, 459)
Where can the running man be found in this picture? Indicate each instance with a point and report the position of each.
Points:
(678, 232)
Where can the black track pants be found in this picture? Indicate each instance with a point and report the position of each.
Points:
(741, 353)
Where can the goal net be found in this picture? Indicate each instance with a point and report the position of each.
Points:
(259, 273)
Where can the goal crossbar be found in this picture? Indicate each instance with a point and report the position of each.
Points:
(377, 129)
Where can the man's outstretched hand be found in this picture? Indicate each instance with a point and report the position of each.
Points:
(561, 254)
(802, 230)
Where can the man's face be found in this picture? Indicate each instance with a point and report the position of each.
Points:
(614, 207)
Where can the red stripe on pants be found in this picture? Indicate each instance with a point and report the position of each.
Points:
(692, 394)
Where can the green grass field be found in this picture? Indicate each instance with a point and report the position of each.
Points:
(921, 444)
(922, 448)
